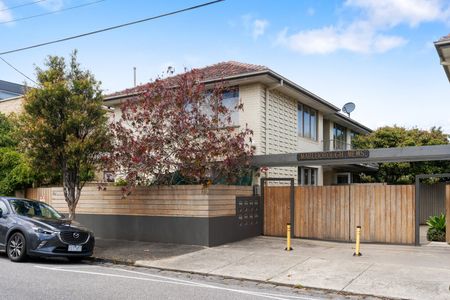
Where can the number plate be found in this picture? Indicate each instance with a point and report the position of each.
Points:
(75, 248)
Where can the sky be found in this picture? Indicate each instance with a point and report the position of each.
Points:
(378, 54)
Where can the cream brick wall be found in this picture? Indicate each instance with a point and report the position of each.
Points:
(274, 125)
(251, 96)
(12, 105)
(280, 130)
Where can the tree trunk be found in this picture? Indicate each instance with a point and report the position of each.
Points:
(72, 190)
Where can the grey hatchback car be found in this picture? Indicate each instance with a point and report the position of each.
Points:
(34, 228)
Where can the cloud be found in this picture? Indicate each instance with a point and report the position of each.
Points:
(259, 27)
(394, 12)
(5, 15)
(52, 5)
(330, 39)
(256, 27)
(368, 32)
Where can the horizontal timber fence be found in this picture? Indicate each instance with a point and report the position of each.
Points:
(386, 213)
(186, 214)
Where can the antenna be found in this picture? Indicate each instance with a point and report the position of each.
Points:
(348, 108)
(134, 75)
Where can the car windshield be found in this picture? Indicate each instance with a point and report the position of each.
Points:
(34, 209)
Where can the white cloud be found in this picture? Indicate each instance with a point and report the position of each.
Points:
(394, 12)
(330, 39)
(255, 27)
(369, 31)
(52, 5)
(259, 27)
(5, 15)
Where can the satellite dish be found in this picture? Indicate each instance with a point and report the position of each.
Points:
(348, 108)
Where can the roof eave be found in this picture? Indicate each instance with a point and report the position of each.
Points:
(247, 75)
(439, 45)
(363, 128)
(303, 90)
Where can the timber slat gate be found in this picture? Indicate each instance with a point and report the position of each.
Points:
(386, 213)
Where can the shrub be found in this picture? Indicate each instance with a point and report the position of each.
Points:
(120, 182)
(436, 231)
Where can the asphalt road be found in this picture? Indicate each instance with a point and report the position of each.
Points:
(59, 279)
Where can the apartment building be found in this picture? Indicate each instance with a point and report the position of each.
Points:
(443, 50)
(285, 118)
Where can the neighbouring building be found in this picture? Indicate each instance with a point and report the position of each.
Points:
(10, 96)
(285, 118)
(443, 50)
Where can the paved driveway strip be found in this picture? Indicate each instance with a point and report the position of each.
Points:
(383, 270)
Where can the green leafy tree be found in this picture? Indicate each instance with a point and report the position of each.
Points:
(64, 125)
(15, 171)
(395, 136)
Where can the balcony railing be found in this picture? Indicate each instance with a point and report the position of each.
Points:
(331, 145)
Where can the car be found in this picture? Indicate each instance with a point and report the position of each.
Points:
(34, 228)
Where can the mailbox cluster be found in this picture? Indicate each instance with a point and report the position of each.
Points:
(248, 211)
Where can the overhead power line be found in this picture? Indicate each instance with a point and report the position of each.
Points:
(21, 5)
(17, 70)
(112, 27)
(52, 12)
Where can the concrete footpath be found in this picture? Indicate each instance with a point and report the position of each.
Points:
(384, 270)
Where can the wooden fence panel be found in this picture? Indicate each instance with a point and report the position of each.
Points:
(276, 210)
(322, 212)
(386, 213)
(189, 201)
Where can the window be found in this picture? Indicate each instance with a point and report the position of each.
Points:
(343, 178)
(307, 176)
(230, 99)
(352, 137)
(307, 122)
(34, 209)
(3, 207)
(339, 137)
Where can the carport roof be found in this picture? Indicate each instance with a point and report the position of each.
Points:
(329, 158)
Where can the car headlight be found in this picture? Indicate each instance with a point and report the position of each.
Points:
(43, 231)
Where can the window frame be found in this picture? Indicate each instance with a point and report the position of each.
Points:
(6, 206)
(234, 90)
(312, 177)
(305, 127)
(337, 126)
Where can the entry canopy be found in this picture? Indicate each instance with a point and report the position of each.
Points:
(379, 155)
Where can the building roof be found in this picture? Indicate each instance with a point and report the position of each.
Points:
(443, 50)
(445, 38)
(214, 72)
(238, 71)
(230, 70)
(12, 88)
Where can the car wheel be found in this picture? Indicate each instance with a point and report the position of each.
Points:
(16, 247)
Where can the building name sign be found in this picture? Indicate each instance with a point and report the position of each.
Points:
(347, 154)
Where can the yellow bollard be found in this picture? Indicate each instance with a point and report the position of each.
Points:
(358, 241)
(288, 238)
